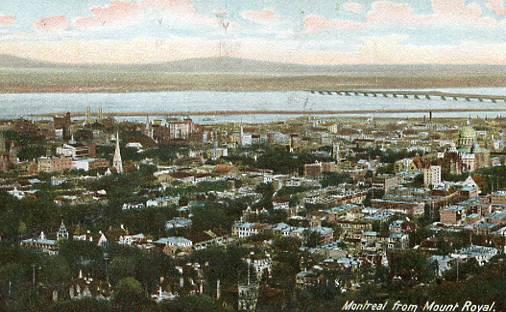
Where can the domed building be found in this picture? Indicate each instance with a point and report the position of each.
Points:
(466, 155)
(472, 155)
(467, 139)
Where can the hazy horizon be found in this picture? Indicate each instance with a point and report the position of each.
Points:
(377, 32)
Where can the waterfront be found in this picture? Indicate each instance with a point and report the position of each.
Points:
(25, 104)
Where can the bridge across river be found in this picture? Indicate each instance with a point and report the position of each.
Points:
(279, 112)
(418, 95)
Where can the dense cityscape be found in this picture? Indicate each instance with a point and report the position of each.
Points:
(309, 214)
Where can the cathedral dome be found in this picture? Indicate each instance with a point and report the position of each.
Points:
(467, 133)
(467, 138)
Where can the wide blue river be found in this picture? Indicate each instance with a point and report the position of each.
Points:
(24, 104)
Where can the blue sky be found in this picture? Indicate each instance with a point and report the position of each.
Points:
(295, 31)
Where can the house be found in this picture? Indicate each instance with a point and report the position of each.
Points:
(481, 254)
(53, 164)
(41, 244)
(87, 164)
(130, 206)
(76, 151)
(452, 215)
(246, 229)
(134, 145)
(131, 239)
(307, 278)
(398, 240)
(163, 201)
(178, 223)
(261, 265)
(45, 245)
(174, 244)
(280, 204)
(282, 229)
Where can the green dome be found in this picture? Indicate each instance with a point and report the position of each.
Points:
(467, 132)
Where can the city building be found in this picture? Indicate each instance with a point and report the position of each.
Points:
(313, 170)
(53, 164)
(432, 176)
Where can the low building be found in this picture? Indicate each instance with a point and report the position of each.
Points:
(313, 170)
(405, 207)
(163, 201)
(498, 198)
(87, 164)
(41, 244)
(53, 164)
(481, 254)
(174, 245)
(452, 215)
(76, 151)
(246, 229)
(178, 223)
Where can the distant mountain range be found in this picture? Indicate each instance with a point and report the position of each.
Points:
(247, 66)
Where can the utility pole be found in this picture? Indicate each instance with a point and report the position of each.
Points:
(106, 259)
(458, 261)
(33, 275)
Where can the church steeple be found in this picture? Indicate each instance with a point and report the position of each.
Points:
(116, 162)
(62, 232)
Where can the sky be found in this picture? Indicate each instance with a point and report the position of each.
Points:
(320, 32)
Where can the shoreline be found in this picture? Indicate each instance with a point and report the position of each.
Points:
(137, 82)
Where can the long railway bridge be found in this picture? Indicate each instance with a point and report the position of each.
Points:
(418, 95)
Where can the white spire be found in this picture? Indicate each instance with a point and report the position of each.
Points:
(241, 134)
(72, 140)
(116, 162)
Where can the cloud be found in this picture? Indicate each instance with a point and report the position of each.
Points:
(385, 13)
(390, 13)
(353, 7)
(117, 13)
(318, 23)
(264, 16)
(457, 12)
(52, 24)
(121, 13)
(497, 6)
(7, 20)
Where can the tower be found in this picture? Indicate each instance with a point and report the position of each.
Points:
(116, 162)
(248, 293)
(148, 130)
(2, 143)
(13, 153)
(335, 152)
(241, 134)
(62, 232)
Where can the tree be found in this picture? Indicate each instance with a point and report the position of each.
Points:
(80, 254)
(194, 304)
(312, 238)
(55, 272)
(122, 267)
(410, 266)
(83, 305)
(129, 296)
(335, 179)
(463, 270)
